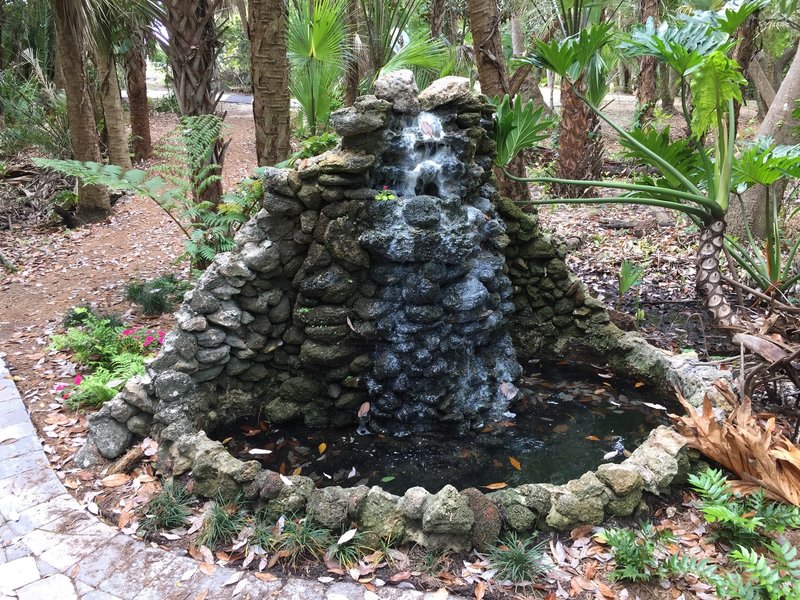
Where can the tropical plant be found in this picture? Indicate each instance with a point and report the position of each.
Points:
(33, 112)
(768, 264)
(629, 276)
(737, 518)
(692, 178)
(208, 225)
(223, 522)
(518, 125)
(158, 295)
(108, 353)
(388, 44)
(297, 538)
(312, 146)
(638, 553)
(318, 50)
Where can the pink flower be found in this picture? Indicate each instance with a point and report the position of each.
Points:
(161, 336)
(148, 340)
(78, 379)
(127, 332)
(60, 386)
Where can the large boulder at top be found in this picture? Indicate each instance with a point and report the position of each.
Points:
(366, 115)
(400, 88)
(444, 91)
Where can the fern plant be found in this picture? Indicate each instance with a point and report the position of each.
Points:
(109, 354)
(740, 519)
(208, 225)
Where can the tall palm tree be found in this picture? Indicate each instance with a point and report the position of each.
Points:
(270, 74)
(71, 22)
(646, 92)
(135, 62)
(192, 45)
(580, 142)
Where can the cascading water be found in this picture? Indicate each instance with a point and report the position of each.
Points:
(444, 359)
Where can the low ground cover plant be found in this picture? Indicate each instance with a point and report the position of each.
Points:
(760, 565)
(157, 296)
(107, 353)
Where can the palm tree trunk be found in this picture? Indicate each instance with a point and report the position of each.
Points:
(646, 92)
(352, 77)
(708, 281)
(744, 51)
(484, 22)
(580, 144)
(270, 71)
(113, 115)
(192, 49)
(667, 89)
(438, 9)
(493, 76)
(93, 201)
(136, 81)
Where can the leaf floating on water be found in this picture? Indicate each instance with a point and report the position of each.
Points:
(363, 410)
(297, 471)
(639, 384)
(347, 536)
(352, 473)
(562, 428)
(509, 390)
(515, 463)
(606, 375)
(322, 447)
(654, 406)
(226, 440)
(259, 451)
(610, 455)
(496, 486)
(388, 478)
(592, 438)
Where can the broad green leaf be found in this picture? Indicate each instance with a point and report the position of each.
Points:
(518, 126)
(715, 81)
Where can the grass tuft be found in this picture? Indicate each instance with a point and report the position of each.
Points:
(223, 523)
(518, 560)
(166, 510)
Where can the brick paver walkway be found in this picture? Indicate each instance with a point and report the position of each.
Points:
(52, 549)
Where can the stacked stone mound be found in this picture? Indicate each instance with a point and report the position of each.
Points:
(289, 324)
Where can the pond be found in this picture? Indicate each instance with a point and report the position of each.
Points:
(564, 423)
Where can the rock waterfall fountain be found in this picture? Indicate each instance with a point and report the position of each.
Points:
(342, 308)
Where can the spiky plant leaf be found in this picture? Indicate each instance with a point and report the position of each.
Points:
(518, 126)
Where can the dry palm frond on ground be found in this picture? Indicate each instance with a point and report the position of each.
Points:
(749, 446)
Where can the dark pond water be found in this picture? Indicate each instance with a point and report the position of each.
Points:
(566, 423)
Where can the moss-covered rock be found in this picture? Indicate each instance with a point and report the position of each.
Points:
(381, 515)
(487, 519)
(447, 512)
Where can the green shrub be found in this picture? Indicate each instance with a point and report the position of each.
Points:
(518, 560)
(95, 341)
(166, 510)
(635, 552)
(157, 296)
(349, 548)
